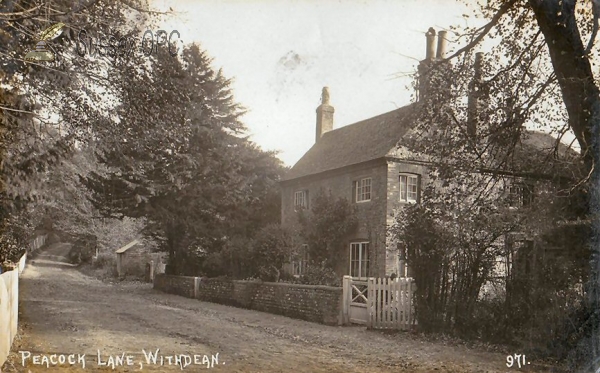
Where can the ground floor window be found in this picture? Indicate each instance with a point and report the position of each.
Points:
(359, 259)
(300, 261)
(402, 267)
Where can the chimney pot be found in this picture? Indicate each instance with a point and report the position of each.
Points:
(324, 115)
(325, 96)
(430, 53)
(441, 49)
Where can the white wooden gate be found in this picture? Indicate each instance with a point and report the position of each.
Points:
(390, 303)
(355, 301)
(379, 303)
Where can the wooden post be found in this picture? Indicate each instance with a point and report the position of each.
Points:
(390, 319)
(370, 302)
(119, 264)
(196, 287)
(346, 299)
(412, 287)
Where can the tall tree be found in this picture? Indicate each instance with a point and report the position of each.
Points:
(183, 162)
(42, 112)
(540, 72)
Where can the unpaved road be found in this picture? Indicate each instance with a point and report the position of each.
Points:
(67, 312)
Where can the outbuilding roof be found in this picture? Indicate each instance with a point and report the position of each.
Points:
(128, 246)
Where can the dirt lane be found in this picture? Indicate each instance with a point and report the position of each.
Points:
(64, 311)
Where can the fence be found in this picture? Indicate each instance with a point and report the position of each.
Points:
(9, 308)
(390, 303)
(37, 243)
(379, 303)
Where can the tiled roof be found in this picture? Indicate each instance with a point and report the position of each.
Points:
(375, 137)
(535, 153)
(363, 141)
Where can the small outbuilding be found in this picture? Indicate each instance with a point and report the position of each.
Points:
(132, 259)
(135, 259)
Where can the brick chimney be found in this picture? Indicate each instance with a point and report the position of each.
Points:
(474, 96)
(425, 65)
(441, 47)
(433, 78)
(324, 115)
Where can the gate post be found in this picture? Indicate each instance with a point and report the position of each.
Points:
(346, 299)
(196, 286)
(371, 303)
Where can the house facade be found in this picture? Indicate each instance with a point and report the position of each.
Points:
(369, 177)
(364, 163)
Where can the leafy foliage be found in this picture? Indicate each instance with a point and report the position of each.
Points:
(269, 251)
(325, 228)
(40, 124)
(316, 274)
(538, 76)
(184, 164)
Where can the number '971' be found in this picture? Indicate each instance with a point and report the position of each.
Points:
(516, 360)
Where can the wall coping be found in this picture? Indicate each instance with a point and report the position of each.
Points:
(301, 286)
(288, 284)
(165, 275)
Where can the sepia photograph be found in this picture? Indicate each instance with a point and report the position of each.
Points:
(323, 186)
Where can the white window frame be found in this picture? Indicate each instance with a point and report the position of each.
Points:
(301, 199)
(361, 263)
(404, 188)
(300, 261)
(516, 194)
(363, 190)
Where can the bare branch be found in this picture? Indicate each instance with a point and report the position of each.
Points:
(25, 12)
(154, 12)
(16, 110)
(595, 14)
(521, 55)
(485, 29)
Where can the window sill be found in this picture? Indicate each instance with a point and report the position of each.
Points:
(367, 200)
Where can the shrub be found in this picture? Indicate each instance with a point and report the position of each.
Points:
(104, 260)
(325, 227)
(268, 251)
(105, 265)
(315, 275)
(214, 265)
(320, 275)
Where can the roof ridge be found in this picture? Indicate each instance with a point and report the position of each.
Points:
(363, 121)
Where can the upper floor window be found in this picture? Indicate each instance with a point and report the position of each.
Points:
(520, 194)
(409, 188)
(363, 190)
(301, 199)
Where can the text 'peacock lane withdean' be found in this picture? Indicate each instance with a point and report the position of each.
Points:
(113, 361)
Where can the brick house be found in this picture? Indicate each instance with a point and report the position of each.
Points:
(363, 163)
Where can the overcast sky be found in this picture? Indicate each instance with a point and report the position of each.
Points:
(281, 53)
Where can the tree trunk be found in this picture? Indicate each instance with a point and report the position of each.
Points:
(557, 22)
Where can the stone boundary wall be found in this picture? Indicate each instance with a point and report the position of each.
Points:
(320, 304)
